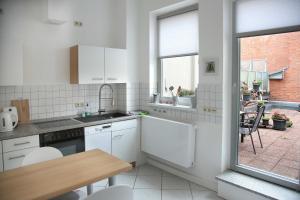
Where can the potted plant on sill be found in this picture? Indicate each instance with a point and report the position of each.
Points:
(186, 97)
(279, 121)
(174, 97)
(265, 121)
(256, 84)
(245, 91)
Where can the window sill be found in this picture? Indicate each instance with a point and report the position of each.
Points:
(169, 106)
(257, 186)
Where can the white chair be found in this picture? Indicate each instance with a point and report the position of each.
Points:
(41, 154)
(49, 153)
(117, 192)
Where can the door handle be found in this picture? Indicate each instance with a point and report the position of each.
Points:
(97, 79)
(112, 79)
(108, 126)
(22, 143)
(118, 136)
(16, 157)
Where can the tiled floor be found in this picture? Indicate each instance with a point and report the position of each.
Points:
(151, 183)
(281, 149)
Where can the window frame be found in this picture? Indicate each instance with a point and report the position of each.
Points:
(194, 7)
(251, 171)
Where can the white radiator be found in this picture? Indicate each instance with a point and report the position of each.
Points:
(169, 140)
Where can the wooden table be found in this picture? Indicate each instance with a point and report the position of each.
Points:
(55, 177)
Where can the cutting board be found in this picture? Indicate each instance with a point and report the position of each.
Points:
(22, 106)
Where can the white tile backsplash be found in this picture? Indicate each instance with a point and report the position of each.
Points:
(59, 100)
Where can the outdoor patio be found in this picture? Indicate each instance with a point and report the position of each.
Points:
(281, 149)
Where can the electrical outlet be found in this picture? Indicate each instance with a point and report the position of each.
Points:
(77, 23)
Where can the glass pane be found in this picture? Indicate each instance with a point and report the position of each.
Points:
(259, 65)
(255, 15)
(276, 145)
(178, 35)
(179, 72)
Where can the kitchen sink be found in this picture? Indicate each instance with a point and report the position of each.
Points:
(94, 118)
(56, 123)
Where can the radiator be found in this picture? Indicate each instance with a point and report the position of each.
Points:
(169, 140)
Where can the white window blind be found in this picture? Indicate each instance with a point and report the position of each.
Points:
(257, 15)
(178, 35)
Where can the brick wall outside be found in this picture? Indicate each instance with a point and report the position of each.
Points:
(281, 50)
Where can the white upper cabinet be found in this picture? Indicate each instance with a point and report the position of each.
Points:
(87, 65)
(115, 65)
(92, 64)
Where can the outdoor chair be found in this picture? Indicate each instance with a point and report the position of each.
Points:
(247, 128)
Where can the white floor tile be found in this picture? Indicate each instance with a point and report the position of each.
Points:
(176, 195)
(95, 188)
(148, 170)
(102, 183)
(148, 182)
(132, 172)
(125, 180)
(175, 183)
(205, 195)
(147, 194)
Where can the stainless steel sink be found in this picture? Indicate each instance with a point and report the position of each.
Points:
(56, 123)
(94, 118)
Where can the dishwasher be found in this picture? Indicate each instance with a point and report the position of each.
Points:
(98, 137)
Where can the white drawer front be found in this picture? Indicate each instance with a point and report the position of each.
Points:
(124, 125)
(14, 159)
(21, 143)
(97, 129)
(1, 163)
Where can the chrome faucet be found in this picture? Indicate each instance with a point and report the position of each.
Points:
(100, 98)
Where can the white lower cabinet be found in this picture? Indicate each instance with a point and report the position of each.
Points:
(124, 144)
(98, 137)
(14, 159)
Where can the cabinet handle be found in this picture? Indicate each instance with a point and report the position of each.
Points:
(97, 79)
(22, 143)
(112, 79)
(117, 136)
(108, 126)
(16, 157)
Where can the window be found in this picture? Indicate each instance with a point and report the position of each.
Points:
(264, 30)
(178, 51)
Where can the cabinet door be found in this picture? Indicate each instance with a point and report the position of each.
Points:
(14, 159)
(115, 65)
(90, 64)
(98, 138)
(124, 144)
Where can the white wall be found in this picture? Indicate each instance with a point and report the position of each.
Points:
(46, 46)
(211, 140)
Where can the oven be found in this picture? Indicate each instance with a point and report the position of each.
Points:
(67, 141)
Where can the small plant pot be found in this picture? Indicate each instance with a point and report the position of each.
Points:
(256, 87)
(279, 124)
(246, 97)
(265, 122)
(175, 100)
